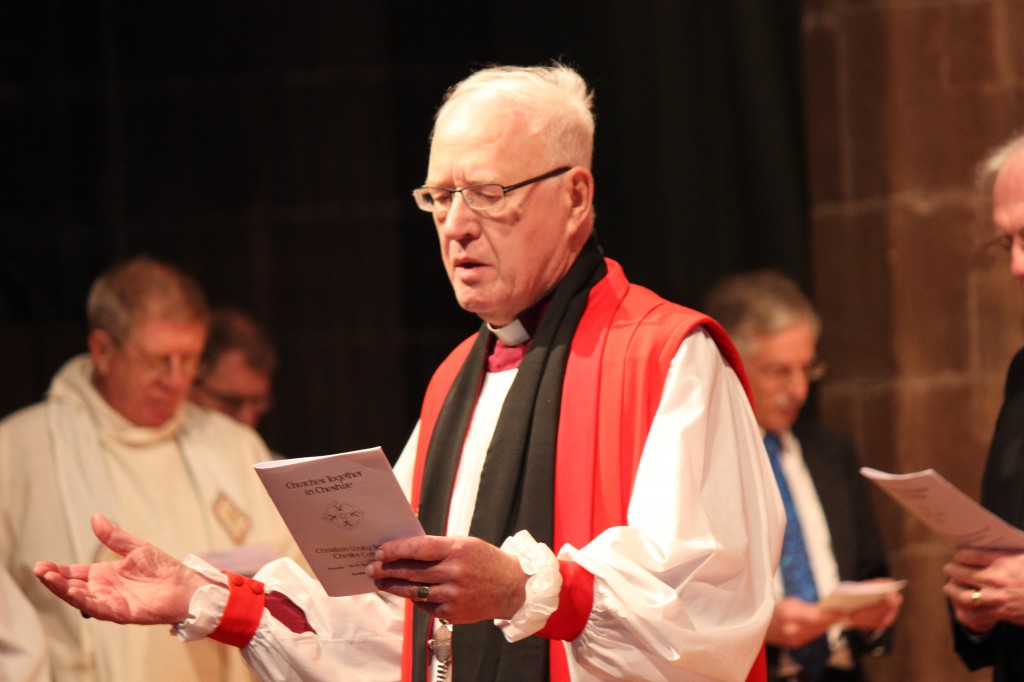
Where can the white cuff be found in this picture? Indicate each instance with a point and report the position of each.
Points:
(207, 604)
(542, 588)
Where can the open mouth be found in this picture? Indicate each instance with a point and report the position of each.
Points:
(466, 264)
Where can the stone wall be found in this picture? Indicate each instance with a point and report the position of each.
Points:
(902, 98)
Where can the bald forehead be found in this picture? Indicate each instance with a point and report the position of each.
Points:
(482, 116)
(486, 136)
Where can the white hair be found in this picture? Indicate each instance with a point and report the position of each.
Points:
(759, 303)
(989, 168)
(555, 100)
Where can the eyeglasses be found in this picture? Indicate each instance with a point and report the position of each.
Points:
(153, 365)
(234, 404)
(486, 197)
(810, 373)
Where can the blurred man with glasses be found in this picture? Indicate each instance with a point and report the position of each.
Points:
(115, 434)
(775, 328)
(236, 373)
(586, 466)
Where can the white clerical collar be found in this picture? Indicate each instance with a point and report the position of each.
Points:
(512, 334)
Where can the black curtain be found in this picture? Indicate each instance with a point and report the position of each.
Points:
(270, 147)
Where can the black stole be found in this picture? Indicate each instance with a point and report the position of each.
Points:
(517, 482)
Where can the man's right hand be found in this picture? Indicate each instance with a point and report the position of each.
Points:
(146, 586)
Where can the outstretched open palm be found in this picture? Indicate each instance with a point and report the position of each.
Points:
(146, 586)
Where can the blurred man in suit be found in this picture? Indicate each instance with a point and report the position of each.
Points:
(775, 328)
(986, 588)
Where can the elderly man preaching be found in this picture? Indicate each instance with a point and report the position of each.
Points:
(596, 496)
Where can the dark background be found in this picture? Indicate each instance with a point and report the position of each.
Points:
(269, 148)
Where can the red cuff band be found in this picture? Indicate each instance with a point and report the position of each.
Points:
(575, 602)
(242, 613)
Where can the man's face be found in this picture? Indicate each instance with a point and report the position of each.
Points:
(501, 262)
(779, 369)
(1008, 211)
(147, 375)
(234, 387)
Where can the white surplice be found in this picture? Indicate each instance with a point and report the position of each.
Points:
(683, 592)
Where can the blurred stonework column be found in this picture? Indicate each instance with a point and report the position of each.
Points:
(902, 98)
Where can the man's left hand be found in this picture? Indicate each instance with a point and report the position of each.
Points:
(460, 579)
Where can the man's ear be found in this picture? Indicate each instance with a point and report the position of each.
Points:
(581, 194)
(101, 348)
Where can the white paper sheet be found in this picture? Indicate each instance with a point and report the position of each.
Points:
(853, 595)
(946, 510)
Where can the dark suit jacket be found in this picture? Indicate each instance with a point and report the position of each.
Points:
(856, 543)
(1002, 491)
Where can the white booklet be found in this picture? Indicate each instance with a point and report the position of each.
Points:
(853, 595)
(947, 510)
(340, 509)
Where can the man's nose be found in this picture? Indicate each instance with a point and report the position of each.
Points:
(796, 384)
(1017, 263)
(800, 387)
(178, 371)
(460, 221)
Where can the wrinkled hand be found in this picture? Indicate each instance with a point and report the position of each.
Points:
(470, 580)
(1000, 578)
(877, 616)
(796, 622)
(146, 586)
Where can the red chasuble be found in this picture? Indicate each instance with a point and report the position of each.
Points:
(614, 377)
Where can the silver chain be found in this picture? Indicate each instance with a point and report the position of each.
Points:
(441, 646)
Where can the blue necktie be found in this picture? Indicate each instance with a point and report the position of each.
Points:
(797, 577)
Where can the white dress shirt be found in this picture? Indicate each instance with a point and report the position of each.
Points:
(817, 539)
